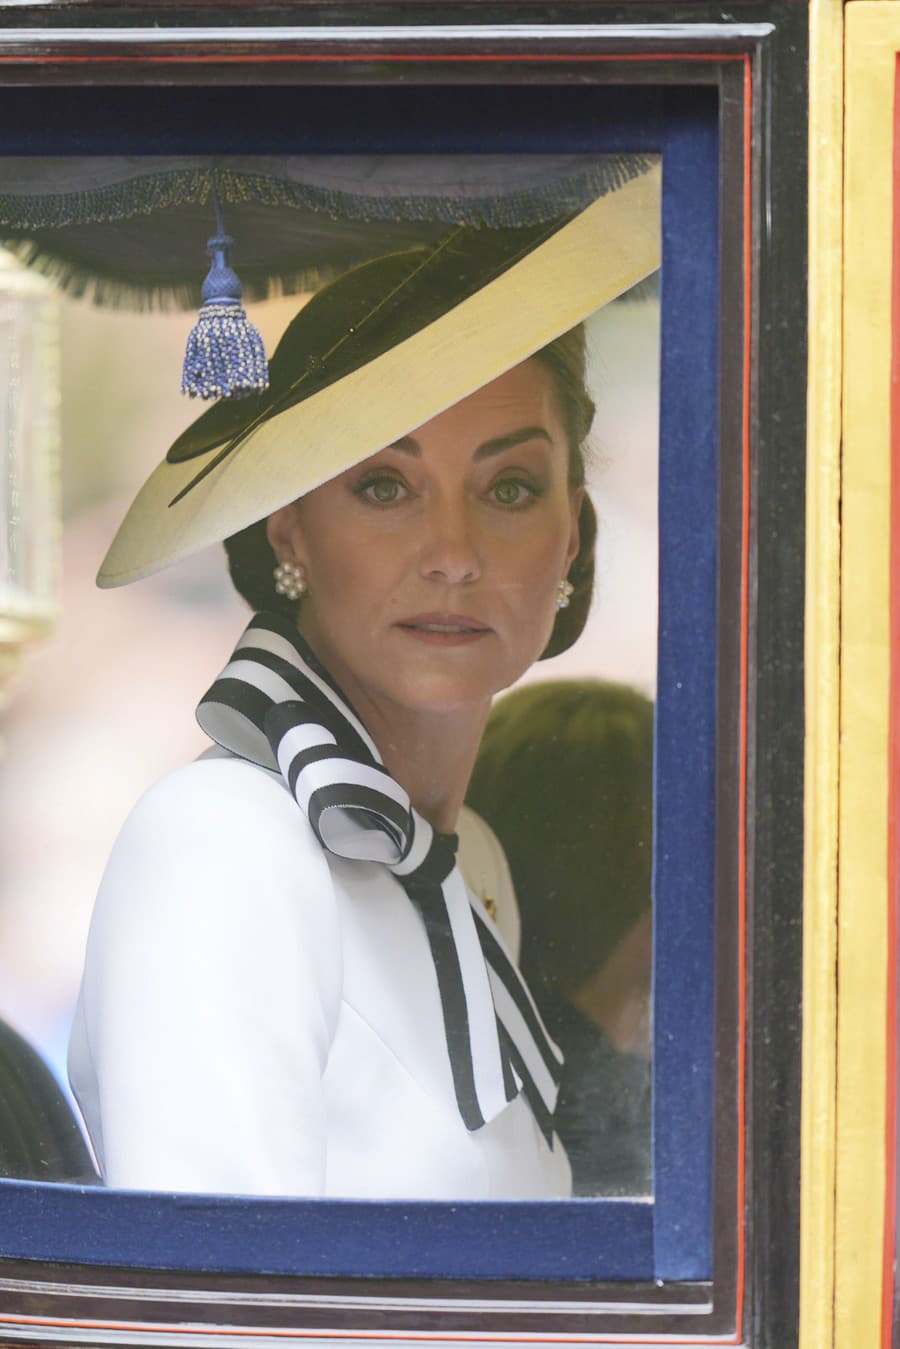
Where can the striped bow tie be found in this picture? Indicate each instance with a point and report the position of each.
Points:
(275, 705)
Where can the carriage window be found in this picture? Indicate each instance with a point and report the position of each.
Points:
(596, 803)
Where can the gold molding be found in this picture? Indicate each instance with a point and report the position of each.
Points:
(822, 661)
(873, 40)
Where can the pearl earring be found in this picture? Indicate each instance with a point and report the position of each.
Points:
(564, 593)
(290, 581)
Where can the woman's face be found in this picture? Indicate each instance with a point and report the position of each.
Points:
(433, 566)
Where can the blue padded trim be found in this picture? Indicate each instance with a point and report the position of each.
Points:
(684, 844)
(578, 1239)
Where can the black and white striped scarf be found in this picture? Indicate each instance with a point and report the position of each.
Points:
(276, 706)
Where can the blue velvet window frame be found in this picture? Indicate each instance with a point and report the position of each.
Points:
(669, 1236)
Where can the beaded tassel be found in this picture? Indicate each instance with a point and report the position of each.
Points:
(225, 356)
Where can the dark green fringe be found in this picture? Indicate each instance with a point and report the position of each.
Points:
(164, 191)
(167, 191)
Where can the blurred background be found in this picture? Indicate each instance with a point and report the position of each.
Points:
(105, 706)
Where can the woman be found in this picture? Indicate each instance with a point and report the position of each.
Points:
(308, 1001)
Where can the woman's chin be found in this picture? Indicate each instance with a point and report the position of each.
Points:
(450, 686)
(453, 678)
(441, 694)
(424, 673)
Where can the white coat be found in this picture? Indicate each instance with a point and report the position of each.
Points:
(258, 1016)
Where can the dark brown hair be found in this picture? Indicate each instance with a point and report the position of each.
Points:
(564, 777)
(251, 560)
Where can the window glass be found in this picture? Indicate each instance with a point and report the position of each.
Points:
(106, 709)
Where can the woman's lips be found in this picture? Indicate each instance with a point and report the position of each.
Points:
(444, 629)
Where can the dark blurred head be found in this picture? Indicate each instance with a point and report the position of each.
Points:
(565, 778)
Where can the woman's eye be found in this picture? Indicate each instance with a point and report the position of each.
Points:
(382, 491)
(512, 492)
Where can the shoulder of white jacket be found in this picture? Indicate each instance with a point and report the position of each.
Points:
(208, 835)
(220, 793)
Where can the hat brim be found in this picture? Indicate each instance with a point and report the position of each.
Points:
(609, 247)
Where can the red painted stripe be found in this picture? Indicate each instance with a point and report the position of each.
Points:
(407, 1336)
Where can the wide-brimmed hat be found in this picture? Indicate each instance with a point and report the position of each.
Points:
(379, 352)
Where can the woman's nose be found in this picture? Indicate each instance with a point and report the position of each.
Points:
(450, 549)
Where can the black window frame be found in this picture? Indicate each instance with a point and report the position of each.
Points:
(758, 64)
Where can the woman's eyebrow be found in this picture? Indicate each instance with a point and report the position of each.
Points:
(406, 445)
(409, 444)
(500, 443)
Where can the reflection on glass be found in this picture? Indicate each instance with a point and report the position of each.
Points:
(197, 1021)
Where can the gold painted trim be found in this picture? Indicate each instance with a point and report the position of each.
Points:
(873, 39)
(822, 679)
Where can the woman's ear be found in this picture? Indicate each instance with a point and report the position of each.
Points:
(576, 499)
(283, 533)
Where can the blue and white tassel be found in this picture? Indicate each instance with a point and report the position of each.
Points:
(225, 356)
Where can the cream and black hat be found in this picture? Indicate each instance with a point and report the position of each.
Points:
(377, 353)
